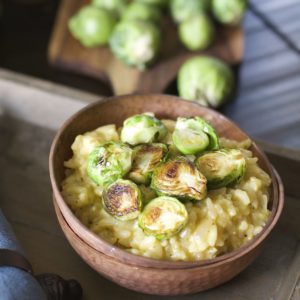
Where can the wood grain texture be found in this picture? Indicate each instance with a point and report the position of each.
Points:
(287, 163)
(267, 105)
(118, 264)
(67, 53)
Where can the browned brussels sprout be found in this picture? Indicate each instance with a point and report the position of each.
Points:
(194, 135)
(179, 178)
(109, 162)
(222, 167)
(141, 129)
(163, 217)
(123, 200)
(146, 157)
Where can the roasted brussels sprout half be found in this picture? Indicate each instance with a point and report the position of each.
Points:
(109, 162)
(182, 10)
(145, 158)
(196, 32)
(140, 129)
(179, 178)
(116, 6)
(194, 135)
(163, 217)
(135, 42)
(222, 167)
(123, 200)
(205, 80)
(142, 11)
(92, 26)
(229, 12)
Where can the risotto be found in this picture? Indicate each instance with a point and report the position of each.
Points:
(224, 220)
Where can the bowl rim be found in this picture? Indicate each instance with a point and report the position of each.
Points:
(203, 266)
(120, 254)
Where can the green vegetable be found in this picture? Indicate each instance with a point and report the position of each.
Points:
(158, 3)
(182, 10)
(196, 32)
(147, 192)
(115, 6)
(163, 217)
(179, 178)
(142, 11)
(123, 200)
(229, 12)
(205, 80)
(109, 162)
(141, 129)
(92, 26)
(222, 167)
(194, 135)
(135, 42)
(146, 158)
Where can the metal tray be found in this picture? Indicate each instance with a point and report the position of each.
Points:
(31, 111)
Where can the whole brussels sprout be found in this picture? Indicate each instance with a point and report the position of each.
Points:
(184, 9)
(92, 26)
(123, 200)
(206, 80)
(194, 135)
(116, 6)
(140, 129)
(141, 11)
(145, 158)
(229, 12)
(135, 42)
(163, 217)
(179, 178)
(109, 162)
(196, 32)
(222, 167)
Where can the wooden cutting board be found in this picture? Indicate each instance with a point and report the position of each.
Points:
(67, 53)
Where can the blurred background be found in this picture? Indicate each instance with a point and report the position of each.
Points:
(25, 31)
(267, 104)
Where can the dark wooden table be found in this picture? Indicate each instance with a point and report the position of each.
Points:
(268, 102)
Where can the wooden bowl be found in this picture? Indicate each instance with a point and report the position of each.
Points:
(137, 272)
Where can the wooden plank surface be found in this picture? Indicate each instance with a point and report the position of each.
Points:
(268, 101)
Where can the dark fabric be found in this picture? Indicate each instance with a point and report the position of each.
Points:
(10, 258)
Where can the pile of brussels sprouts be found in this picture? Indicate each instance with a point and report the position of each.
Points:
(149, 174)
(132, 27)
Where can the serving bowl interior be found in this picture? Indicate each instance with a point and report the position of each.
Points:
(115, 111)
(168, 281)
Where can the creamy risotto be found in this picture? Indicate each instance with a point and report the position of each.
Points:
(225, 220)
